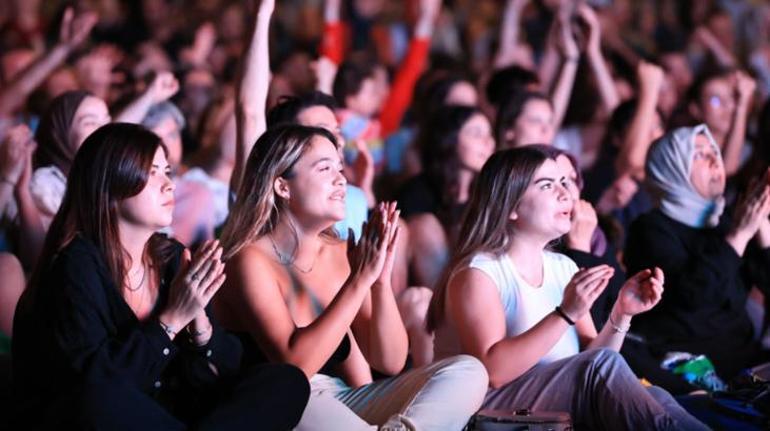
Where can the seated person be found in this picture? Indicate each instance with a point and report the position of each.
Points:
(297, 294)
(113, 331)
(707, 257)
(524, 310)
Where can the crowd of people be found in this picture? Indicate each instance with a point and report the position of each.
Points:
(373, 214)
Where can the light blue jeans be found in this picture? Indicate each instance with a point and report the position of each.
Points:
(441, 396)
(599, 391)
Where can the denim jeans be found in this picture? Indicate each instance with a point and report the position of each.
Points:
(440, 396)
(599, 390)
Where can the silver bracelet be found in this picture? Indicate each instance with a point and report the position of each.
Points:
(616, 328)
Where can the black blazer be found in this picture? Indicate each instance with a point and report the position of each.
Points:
(77, 329)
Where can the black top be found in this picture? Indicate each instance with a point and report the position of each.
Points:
(78, 328)
(253, 354)
(420, 196)
(706, 287)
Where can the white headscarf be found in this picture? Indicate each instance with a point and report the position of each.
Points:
(668, 174)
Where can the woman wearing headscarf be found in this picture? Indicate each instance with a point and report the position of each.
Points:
(710, 260)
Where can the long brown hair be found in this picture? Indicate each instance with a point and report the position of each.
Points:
(486, 225)
(257, 209)
(112, 165)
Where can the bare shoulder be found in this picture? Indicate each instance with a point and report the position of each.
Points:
(251, 261)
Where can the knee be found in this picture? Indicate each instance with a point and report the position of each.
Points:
(413, 304)
(465, 372)
(284, 382)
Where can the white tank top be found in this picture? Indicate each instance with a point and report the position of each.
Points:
(524, 305)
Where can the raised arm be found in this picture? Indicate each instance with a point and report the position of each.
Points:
(509, 33)
(744, 96)
(570, 53)
(74, 30)
(163, 87)
(633, 150)
(474, 307)
(604, 82)
(252, 89)
(400, 95)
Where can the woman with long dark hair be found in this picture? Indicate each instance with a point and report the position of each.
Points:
(524, 310)
(113, 331)
(454, 145)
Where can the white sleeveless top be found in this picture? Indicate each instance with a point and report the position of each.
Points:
(523, 304)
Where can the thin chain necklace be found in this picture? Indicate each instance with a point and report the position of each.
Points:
(141, 282)
(289, 260)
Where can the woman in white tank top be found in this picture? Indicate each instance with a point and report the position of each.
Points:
(523, 310)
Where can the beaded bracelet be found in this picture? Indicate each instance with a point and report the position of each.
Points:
(616, 328)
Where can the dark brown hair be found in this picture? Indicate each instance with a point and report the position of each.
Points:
(112, 165)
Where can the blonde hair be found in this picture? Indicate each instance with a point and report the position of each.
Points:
(257, 209)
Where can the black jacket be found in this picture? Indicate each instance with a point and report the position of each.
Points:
(77, 328)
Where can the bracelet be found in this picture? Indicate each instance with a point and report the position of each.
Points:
(615, 328)
(563, 315)
(167, 329)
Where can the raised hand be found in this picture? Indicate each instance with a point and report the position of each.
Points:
(198, 279)
(744, 87)
(650, 77)
(641, 292)
(753, 208)
(163, 87)
(367, 257)
(391, 216)
(581, 292)
(588, 16)
(76, 27)
(13, 153)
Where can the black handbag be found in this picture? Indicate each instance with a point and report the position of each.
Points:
(519, 420)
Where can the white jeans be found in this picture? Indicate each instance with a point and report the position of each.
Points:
(440, 396)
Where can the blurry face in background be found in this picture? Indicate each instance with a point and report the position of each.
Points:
(90, 115)
(475, 143)
(534, 125)
(717, 105)
(677, 70)
(61, 81)
(462, 93)
(368, 99)
(169, 132)
(323, 117)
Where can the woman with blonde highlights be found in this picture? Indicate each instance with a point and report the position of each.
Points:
(297, 294)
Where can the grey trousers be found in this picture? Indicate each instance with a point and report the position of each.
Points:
(441, 396)
(599, 390)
